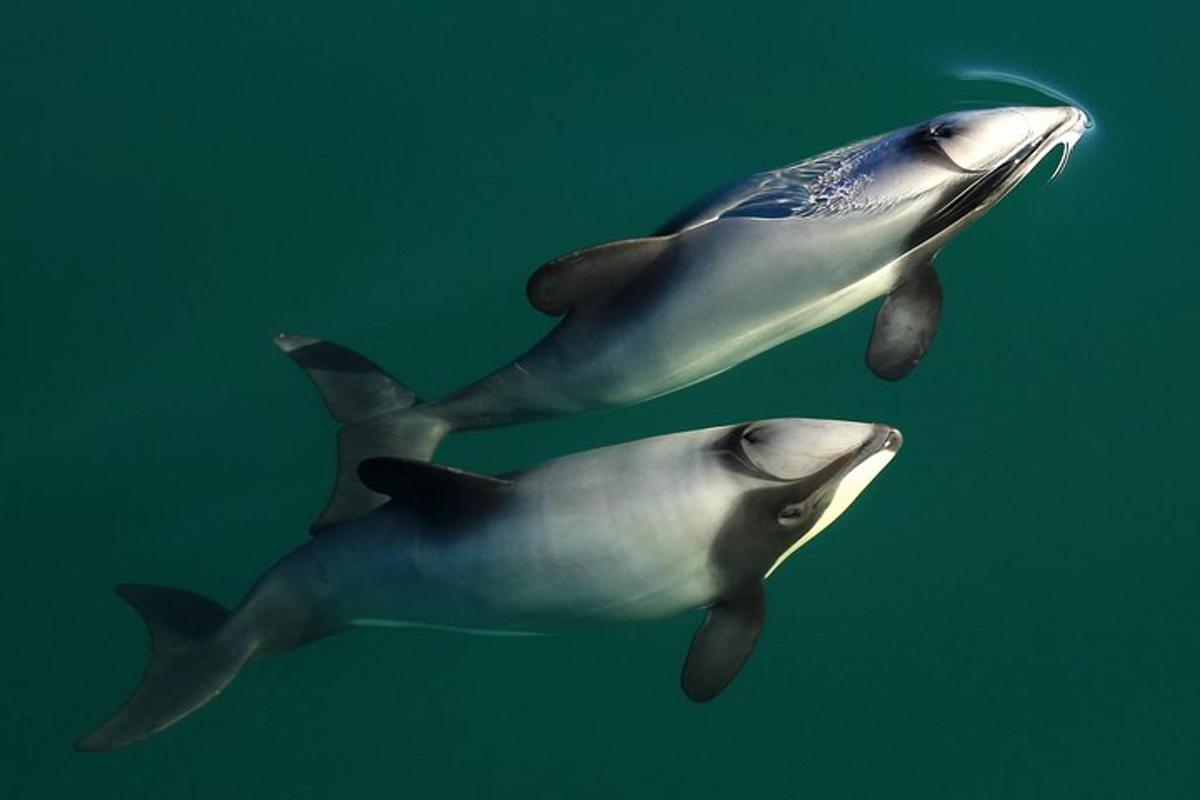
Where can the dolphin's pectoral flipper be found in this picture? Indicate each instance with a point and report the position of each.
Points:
(722, 643)
(382, 418)
(559, 285)
(429, 488)
(906, 323)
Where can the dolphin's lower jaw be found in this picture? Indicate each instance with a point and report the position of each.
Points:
(1024, 161)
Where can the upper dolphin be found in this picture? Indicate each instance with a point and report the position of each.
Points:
(754, 265)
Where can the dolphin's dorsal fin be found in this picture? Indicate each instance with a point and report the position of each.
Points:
(576, 278)
(427, 487)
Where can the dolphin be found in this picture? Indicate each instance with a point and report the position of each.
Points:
(754, 265)
(637, 531)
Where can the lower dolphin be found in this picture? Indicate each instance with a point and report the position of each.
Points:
(639, 531)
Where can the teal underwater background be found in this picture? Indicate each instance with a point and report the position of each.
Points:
(1011, 610)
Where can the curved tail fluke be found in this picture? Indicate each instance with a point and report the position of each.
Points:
(190, 663)
(352, 386)
(380, 416)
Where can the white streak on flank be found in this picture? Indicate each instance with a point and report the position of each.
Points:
(847, 491)
(397, 623)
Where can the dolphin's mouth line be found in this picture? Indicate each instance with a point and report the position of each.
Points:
(989, 188)
(1066, 134)
(1002, 179)
(824, 509)
(887, 438)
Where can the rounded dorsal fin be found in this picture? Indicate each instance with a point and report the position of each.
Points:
(585, 275)
(430, 489)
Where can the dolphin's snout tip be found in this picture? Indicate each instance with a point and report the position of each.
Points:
(1078, 118)
(892, 439)
(1052, 120)
(1074, 118)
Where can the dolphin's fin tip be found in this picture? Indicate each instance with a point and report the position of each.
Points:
(287, 342)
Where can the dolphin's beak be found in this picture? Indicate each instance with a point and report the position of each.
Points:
(884, 439)
(1049, 127)
(1045, 120)
(1053, 126)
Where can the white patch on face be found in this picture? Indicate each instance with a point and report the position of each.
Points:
(846, 493)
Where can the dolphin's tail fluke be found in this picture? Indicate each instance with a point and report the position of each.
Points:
(191, 661)
(380, 416)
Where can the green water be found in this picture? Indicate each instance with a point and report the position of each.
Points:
(1012, 610)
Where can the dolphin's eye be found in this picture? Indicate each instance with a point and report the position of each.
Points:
(792, 516)
(931, 135)
(949, 142)
(752, 434)
(942, 130)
